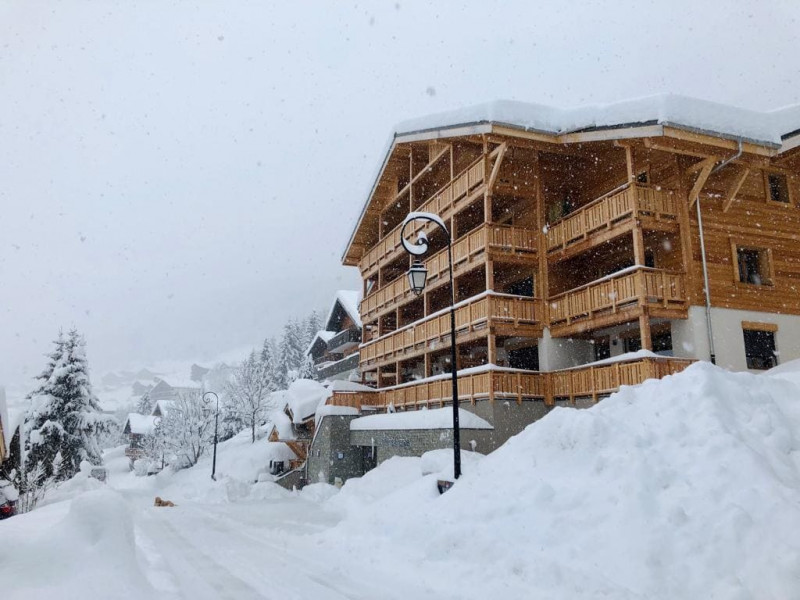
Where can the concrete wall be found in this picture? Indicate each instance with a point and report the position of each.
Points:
(292, 479)
(415, 442)
(690, 338)
(506, 416)
(331, 455)
(562, 353)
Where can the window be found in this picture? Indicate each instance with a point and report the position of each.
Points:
(602, 348)
(753, 266)
(778, 187)
(759, 349)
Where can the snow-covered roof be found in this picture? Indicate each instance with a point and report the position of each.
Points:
(323, 335)
(348, 300)
(341, 385)
(303, 398)
(437, 418)
(328, 410)
(140, 424)
(778, 129)
(767, 128)
(161, 408)
(283, 425)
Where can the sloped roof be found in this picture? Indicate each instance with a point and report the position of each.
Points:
(323, 335)
(778, 130)
(766, 128)
(348, 300)
(140, 424)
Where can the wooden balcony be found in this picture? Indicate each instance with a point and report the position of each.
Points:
(455, 195)
(497, 239)
(620, 207)
(662, 292)
(590, 382)
(523, 314)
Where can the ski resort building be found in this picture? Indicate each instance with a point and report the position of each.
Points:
(334, 349)
(581, 242)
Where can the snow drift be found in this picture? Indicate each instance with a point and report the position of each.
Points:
(688, 487)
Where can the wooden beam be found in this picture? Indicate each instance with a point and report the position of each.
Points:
(708, 165)
(700, 165)
(734, 188)
(501, 152)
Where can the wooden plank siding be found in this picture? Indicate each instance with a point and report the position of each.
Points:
(751, 221)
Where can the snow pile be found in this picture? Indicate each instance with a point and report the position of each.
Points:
(82, 549)
(437, 418)
(686, 487)
(303, 398)
(369, 499)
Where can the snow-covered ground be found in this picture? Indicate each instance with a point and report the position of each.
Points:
(687, 487)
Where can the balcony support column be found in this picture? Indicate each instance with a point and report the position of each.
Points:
(638, 245)
(644, 329)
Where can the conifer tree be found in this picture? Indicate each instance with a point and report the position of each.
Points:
(64, 420)
(291, 350)
(313, 324)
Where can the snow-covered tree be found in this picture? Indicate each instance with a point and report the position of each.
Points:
(64, 418)
(307, 368)
(248, 392)
(291, 349)
(313, 324)
(271, 358)
(188, 428)
(145, 404)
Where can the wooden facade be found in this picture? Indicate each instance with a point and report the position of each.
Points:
(575, 235)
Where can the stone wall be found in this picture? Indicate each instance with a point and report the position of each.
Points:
(331, 454)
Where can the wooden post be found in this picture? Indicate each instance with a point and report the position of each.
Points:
(492, 349)
(638, 245)
(594, 385)
(489, 274)
(541, 221)
(644, 329)
(687, 257)
(629, 161)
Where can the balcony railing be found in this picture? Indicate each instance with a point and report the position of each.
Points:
(471, 315)
(345, 339)
(633, 201)
(590, 381)
(634, 285)
(443, 203)
(502, 238)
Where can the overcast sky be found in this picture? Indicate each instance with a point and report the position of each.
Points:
(177, 180)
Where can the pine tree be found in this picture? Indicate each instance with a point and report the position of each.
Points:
(145, 404)
(291, 350)
(313, 324)
(64, 419)
(307, 369)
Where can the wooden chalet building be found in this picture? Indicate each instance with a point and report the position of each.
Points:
(580, 236)
(334, 349)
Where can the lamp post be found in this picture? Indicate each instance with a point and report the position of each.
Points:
(417, 276)
(216, 430)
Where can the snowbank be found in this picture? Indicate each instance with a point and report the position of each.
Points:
(82, 549)
(437, 418)
(686, 487)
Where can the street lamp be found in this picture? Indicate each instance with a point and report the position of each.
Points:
(417, 276)
(216, 429)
